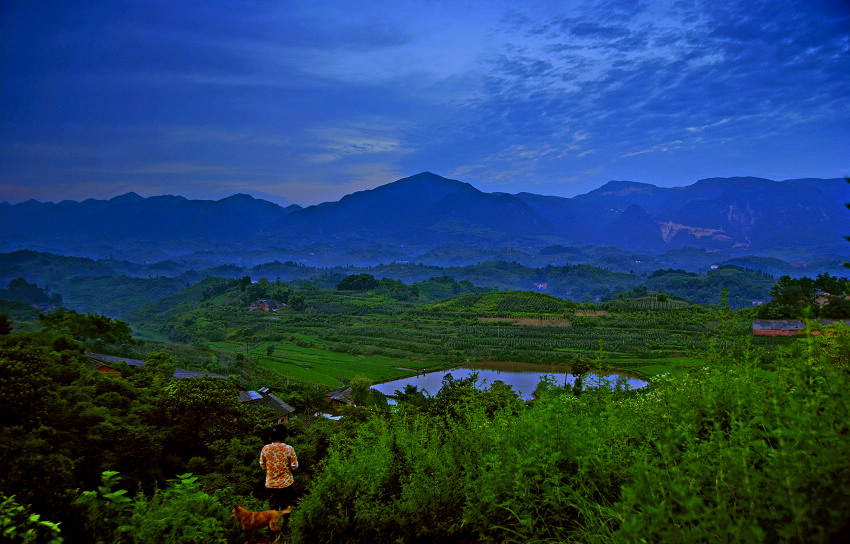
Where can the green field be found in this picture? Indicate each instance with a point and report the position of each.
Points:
(340, 335)
(328, 367)
(650, 368)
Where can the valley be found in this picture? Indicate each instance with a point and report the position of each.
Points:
(721, 431)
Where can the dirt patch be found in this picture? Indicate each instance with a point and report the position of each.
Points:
(591, 313)
(530, 321)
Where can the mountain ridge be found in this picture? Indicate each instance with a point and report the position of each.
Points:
(420, 213)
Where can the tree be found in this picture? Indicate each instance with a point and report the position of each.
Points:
(20, 290)
(357, 282)
(360, 389)
(848, 207)
(791, 291)
(159, 364)
(831, 284)
(203, 410)
(244, 282)
(86, 326)
(297, 303)
(17, 524)
(578, 368)
(5, 324)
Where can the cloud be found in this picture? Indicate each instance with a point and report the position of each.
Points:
(665, 147)
(353, 139)
(309, 190)
(340, 96)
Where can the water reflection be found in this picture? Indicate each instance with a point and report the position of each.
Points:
(522, 378)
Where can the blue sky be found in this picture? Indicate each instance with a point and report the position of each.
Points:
(305, 102)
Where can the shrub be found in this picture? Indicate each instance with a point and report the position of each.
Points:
(18, 525)
(179, 514)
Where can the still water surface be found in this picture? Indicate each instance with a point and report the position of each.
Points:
(522, 378)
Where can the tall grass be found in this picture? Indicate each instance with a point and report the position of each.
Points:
(731, 452)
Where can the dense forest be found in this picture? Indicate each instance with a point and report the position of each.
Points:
(737, 438)
(119, 288)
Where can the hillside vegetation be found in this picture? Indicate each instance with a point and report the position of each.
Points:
(120, 288)
(506, 303)
(749, 445)
(736, 438)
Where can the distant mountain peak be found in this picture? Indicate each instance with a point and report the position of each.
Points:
(412, 215)
(423, 175)
(426, 177)
(126, 198)
(238, 197)
(623, 188)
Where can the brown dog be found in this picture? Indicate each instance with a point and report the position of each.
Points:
(251, 521)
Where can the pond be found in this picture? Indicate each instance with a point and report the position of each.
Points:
(523, 378)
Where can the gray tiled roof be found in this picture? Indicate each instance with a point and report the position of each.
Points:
(340, 394)
(269, 401)
(178, 374)
(778, 324)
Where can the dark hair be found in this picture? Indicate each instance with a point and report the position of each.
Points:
(278, 433)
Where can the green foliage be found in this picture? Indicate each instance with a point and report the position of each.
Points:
(17, 525)
(86, 327)
(410, 492)
(742, 285)
(5, 324)
(357, 282)
(63, 424)
(232, 464)
(360, 389)
(180, 513)
(744, 458)
(105, 509)
(748, 446)
(504, 303)
(792, 298)
(298, 302)
(159, 366)
(204, 410)
(20, 290)
(728, 453)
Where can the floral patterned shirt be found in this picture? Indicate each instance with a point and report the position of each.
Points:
(279, 461)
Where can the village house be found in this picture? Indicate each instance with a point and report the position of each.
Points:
(267, 305)
(262, 398)
(339, 396)
(787, 327)
(777, 327)
(104, 368)
(106, 364)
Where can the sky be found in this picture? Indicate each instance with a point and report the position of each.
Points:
(304, 102)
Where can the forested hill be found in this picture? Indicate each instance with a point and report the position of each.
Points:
(412, 217)
(119, 288)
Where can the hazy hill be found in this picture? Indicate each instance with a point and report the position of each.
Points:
(413, 218)
(130, 217)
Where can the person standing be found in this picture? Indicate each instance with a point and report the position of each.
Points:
(278, 460)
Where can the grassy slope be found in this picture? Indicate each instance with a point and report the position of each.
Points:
(321, 366)
(342, 335)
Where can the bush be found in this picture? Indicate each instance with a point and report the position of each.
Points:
(730, 452)
(179, 514)
(17, 524)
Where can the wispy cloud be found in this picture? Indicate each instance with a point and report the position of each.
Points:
(294, 95)
(653, 149)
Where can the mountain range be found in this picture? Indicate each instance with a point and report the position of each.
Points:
(423, 216)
